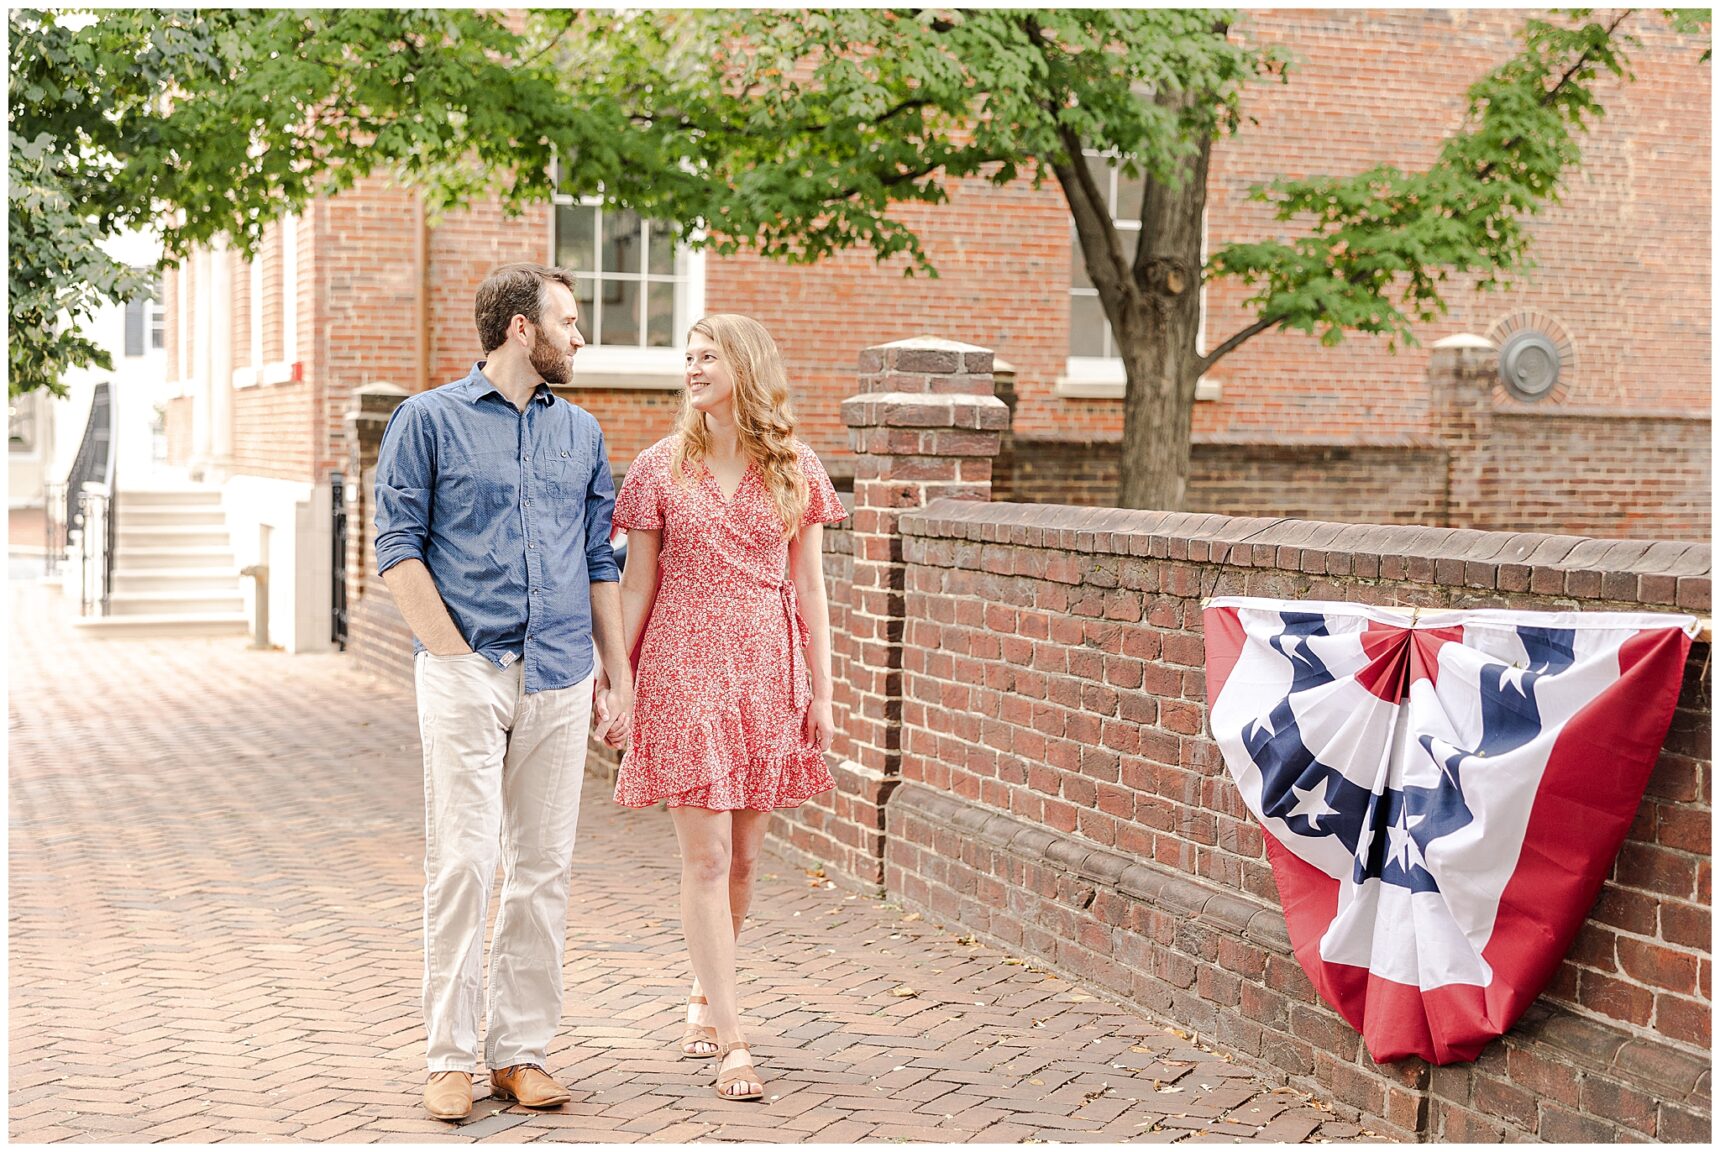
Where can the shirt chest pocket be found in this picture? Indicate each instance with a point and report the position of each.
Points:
(562, 473)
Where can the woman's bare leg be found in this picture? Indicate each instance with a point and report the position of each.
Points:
(747, 841)
(706, 850)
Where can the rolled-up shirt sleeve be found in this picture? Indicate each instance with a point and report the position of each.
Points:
(405, 479)
(599, 514)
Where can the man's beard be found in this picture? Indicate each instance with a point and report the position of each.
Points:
(548, 363)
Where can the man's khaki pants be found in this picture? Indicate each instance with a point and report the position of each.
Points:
(502, 772)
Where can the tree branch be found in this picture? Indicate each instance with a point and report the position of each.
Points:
(890, 181)
(904, 106)
(572, 15)
(1238, 340)
(1547, 97)
(1094, 228)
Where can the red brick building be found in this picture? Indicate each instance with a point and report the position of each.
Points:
(364, 289)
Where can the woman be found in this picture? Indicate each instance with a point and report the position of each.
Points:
(731, 713)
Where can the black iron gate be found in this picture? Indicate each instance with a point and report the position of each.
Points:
(337, 589)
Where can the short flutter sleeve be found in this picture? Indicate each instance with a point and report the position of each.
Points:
(640, 503)
(823, 506)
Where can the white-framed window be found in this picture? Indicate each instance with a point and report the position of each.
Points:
(638, 292)
(1094, 368)
(21, 424)
(144, 322)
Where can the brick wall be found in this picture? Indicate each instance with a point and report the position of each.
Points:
(1401, 482)
(1484, 461)
(271, 299)
(1599, 473)
(1620, 259)
(272, 433)
(1061, 797)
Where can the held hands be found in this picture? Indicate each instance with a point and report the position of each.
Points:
(612, 711)
(819, 727)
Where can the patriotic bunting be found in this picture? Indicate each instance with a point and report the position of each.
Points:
(1442, 792)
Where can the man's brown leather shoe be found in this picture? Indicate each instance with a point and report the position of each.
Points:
(448, 1095)
(528, 1084)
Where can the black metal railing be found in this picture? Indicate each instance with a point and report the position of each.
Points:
(93, 462)
(84, 505)
(337, 587)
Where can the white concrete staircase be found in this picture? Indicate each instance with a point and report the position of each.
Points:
(173, 567)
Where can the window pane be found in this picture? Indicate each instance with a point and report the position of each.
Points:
(134, 327)
(584, 291)
(1087, 327)
(662, 249)
(21, 424)
(622, 237)
(1078, 277)
(660, 314)
(620, 312)
(1128, 205)
(1100, 167)
(1130, 238)
(576, 237)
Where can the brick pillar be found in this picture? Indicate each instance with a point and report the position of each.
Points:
(376, 634)
(1461, 375)
(925, 425)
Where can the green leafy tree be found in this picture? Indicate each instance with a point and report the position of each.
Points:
(214, 122)
(796, 132)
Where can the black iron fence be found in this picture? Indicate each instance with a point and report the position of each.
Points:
(337, 587)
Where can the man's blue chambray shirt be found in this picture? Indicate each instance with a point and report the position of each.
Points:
(510, 511)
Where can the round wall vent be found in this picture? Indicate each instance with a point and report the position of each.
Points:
(1537, 358)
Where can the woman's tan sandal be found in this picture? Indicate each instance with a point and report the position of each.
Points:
(699, 1034)
(745, 1074)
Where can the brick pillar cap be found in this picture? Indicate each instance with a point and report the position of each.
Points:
(1465, 340)
(933, 343)
(380, 388)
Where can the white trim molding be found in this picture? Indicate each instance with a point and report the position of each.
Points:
(607, 366)
(278, 372)
(1102, 378)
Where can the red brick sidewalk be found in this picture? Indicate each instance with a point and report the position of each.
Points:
(215, 935)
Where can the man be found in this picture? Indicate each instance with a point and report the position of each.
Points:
(493, 504)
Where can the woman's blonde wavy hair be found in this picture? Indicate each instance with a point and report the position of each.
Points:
(762, 415)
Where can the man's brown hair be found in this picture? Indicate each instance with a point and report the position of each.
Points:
(513, 290)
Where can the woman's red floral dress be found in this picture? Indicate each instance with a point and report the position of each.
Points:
(720, 683)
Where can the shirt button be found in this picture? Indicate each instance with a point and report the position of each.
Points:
(528, 459)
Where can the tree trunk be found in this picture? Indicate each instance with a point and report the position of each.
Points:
(1157, 339)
